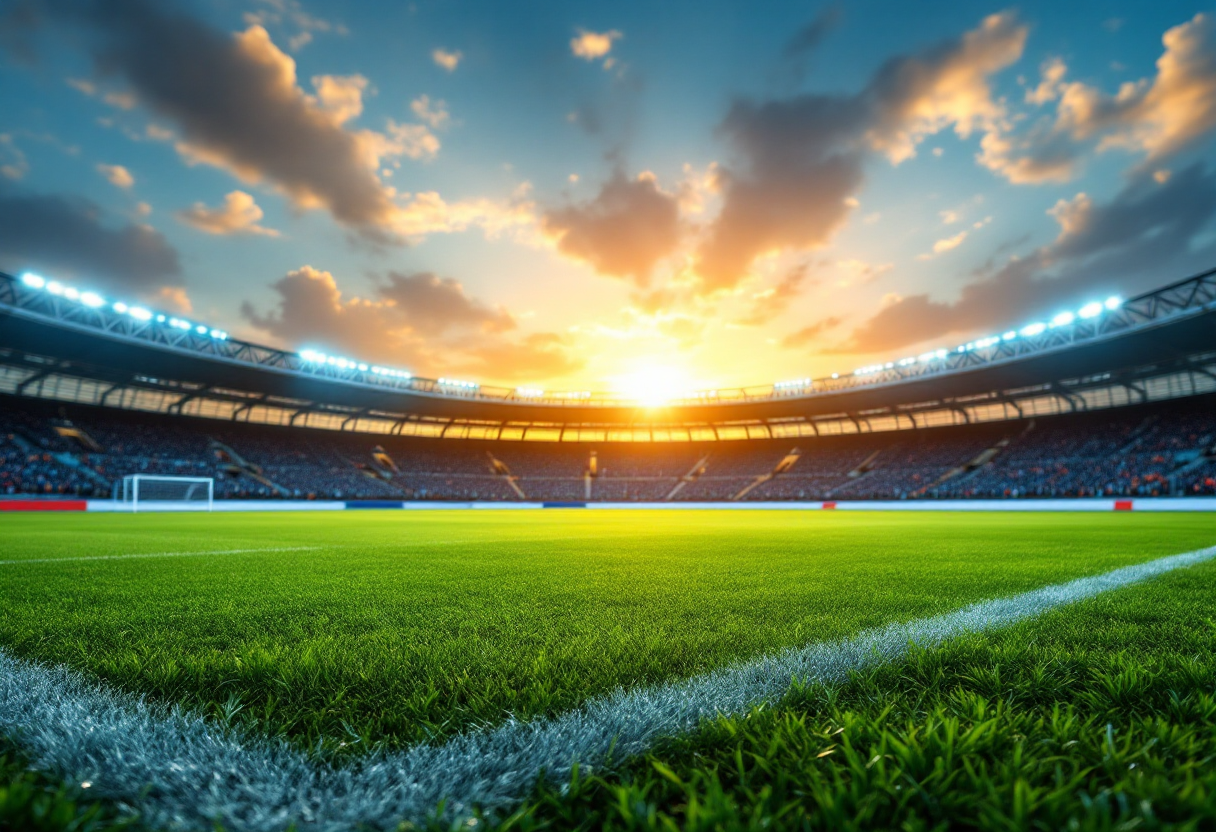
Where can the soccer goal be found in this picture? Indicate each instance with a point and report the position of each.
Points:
(148, 491)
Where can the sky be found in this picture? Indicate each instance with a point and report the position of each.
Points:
(608, 196)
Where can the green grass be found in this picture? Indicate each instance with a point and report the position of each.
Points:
(34, 802)
(1099, 716)
(407, 626)
(404, 626)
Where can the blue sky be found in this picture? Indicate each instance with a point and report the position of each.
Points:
(578, 195)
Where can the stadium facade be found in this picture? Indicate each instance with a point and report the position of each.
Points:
(1139, 370)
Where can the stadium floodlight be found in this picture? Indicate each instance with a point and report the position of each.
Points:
(139, 313)
(120, 307)
(146, 491)
(1090, 310)
(1063, 319)
(1009, 336)
(1113, 302)
(160, 319)
(71, 293)
(33, 281)
(55, 287)
(92, 300)
(1033, 329)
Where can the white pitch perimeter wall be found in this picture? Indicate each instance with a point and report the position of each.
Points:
(1122, 504)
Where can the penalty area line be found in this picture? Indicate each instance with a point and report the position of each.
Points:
(182, 771)
(137, 555)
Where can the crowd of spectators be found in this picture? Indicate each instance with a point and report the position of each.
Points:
(1147, 451)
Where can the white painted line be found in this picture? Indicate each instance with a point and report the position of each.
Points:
(159, 555)
(182, 772)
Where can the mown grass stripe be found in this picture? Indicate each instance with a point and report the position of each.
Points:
(137, 555)
(183, 772)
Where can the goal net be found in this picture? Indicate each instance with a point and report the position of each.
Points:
(146, 491)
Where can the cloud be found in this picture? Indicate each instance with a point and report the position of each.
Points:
(67, 237)
(593, 45)
(1157, 117)
(800, 164)
(623, 232)
(310, 306)
(291, 12)
(18, 24)
(801, 159)
(236, 104)
(946, 86)
(433, 305)
(238, 215)
(810, 334)
(82, 85)
(117, 175)
(943, 245)
(1040, 154)
(769, 303)
(533, 358)
(808, 38)
(434, 113)
(16, 165)
(1051, 82)
(412, 140)
(447, 59)
(123, 100)
(422, 322)
(174, 299)
(1100, 248)
(429, 213)
(860, 273)
(340, 95)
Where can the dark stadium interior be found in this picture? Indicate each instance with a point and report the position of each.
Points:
(1160, 449)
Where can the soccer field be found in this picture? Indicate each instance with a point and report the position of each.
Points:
(355, 633)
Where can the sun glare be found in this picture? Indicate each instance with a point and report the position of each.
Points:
(655, 386)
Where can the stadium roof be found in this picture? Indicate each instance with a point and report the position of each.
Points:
(60, 329)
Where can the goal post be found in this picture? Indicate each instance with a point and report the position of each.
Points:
(149, 491)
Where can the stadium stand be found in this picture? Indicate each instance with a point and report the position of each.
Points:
(1114, 399)
(1149, 450)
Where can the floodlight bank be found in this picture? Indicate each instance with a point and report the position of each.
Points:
(183, 772)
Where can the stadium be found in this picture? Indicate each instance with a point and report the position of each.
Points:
(373, 456)
(115, 408)
(1112, 403)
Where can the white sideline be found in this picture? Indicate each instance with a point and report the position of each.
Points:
(183, 772)
(159, 555)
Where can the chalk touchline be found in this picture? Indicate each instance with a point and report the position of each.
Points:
(182, 772)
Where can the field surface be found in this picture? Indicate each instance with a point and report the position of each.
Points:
(349, 631)
(394, 627)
